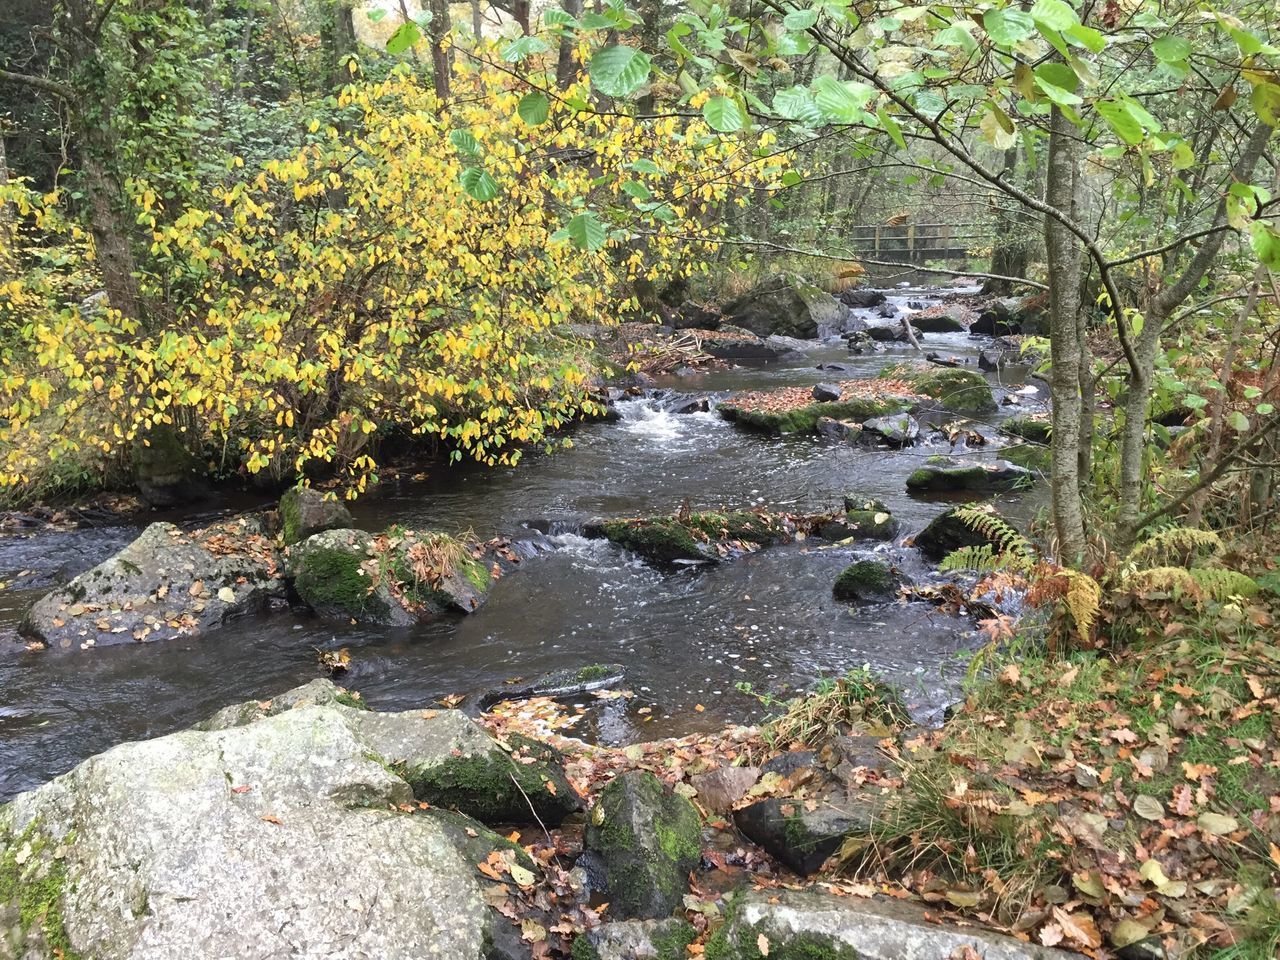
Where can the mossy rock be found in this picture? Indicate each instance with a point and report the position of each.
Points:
(869, 519)
(648, 840)
(33, 885)
(866, 581)
(305, 511)
(672, 539)
(1031, 456)
(805, 419)
(947, 533)
(165, 471)
(494, 788)
(336, 575)
(1035, 429)
(955, 476)
(631, 939)
(958, 390)
(785, 304)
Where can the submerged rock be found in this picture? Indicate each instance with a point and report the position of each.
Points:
(166, 584)
(305, 511)
(636, 940)
(290, 835)
(949, 475)
(947, 533)
(336, 574)
(648, 840)
(816, 924)
(785, 304)
(867, 581)
(961, 391)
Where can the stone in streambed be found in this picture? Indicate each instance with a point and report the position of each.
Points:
(805, 419)
(866, 581)
(305, 511)
(1035, 429)
(165, 471)
(647, 840)
(785, 304)
(801, 838)
(895, 430)
(949, 475)
(166, 584)
(947, 533)
(719, 789)
(958, 390)
(336, 574)
(864, 518)
(951, 319)
(636, 940)
(815, 925)
(826, 392)
(695, 537)
(862, 298)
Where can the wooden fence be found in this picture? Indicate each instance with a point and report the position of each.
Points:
(917, 242)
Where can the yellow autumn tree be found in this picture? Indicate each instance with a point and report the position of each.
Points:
(411, 269)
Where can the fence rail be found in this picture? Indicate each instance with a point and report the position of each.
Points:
(917, 242)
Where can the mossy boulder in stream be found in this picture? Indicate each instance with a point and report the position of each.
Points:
(305, 511)
(336, 574)
(785, 304)
(947, 533)
(786, 419)
(866, 581)
(868, 518)
(1035, 429)
(647, 839)
(694, 537)
(950, 475)
(961, 391)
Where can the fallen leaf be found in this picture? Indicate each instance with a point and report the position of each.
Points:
(762, 944)
(226, 595)
(1218, 824)
(1148, 807)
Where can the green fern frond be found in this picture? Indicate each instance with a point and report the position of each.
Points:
(1223, 584)
(1177, 547)
(988, 523)
(1083, 601)
(1197, 583)
(983, 560)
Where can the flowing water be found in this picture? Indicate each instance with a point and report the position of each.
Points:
(687, 636)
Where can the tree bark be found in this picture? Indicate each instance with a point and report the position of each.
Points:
(1064, 260)
(441, 60)
(567, 62)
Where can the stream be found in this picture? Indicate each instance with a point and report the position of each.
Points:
(686, 636)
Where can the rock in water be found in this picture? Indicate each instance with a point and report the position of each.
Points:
(947, 533)
(949, 475)
(647, 840)
(866, 581)
(896, 430)
(166, 584)
(305, 511)
(950, 319)
(785, 304)
(810, 923)
(862, 298)
(826, 392)
(288, 836)
(335, 574)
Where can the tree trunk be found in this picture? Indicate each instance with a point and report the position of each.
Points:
(567, 63)
(441, 60)
(1064, 258)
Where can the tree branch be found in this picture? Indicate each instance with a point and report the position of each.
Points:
(59, 90)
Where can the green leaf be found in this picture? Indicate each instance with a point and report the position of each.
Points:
(465, 143)
(644, 165)
(523, 47)
(1266, 243)
(724, 115)
(406, 36)
(1054, 15)
(1264, 409)
(619, 71)
(636, 190)
(1171, 49)
(1092, 40)
(796, 103)
(892, 128)
(375, 15)
(555, 17)
(1121, 120)
(1009, 26)
(841, 102)
(479, 184)
(799, 20)
(997, 127)
(1059, 95)
(791, 178)
(533, 108)
(584, 231)
(956, 36)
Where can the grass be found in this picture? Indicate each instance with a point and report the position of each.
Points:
(836, 706)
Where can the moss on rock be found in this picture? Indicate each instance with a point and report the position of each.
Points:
(495, 789)
(671, 539)
(958, 390)
(35, 881)
(866, 580)
(1035, 429)
(805, 419)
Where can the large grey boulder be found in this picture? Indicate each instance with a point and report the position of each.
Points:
(801, 838)
(305, 511)
(288, 835)
(166, 584)
(951, 475)
(636, 940)
(647, 840)
(785, 304)
(809, 923)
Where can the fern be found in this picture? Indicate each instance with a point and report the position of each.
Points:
(1177, 547)
(984, 560)
(1196, 583)
(1083, 601)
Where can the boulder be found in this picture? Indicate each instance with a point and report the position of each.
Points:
(695, 537)
(947, 533)
(787, 346)
(636, 940)
(866, 581)
(957, 390)
(815, 924)
(691, 315)
(893, 334)
(949, 475)
(290, 835)
(685, 404)
(895, 430)
(826, 392)
(719, 789)
(804, 419)
(337, 575)
(165, 471)
(648, 840)
(948, 319)
(997, 320)
(861, 342)
(846, 431)
(305, 511)
(439, 573)
(1035, 429)
(739, 346)
(868, 518)
(785, 304)
(801, 838)
(862, 298)
(166, 584)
